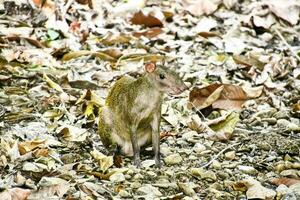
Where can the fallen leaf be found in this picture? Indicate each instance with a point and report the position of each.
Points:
(52, 84)
(222, 96)
(15, 194)
(76, 54)
(256, 191)
(147, 20)
(200, 7)
(285, 181)
(105, 162)
(248, 61)
(229, 3)
(148, 33)
(32, 41)
(253, 92)
(50, 187)
(113, 39)
(73, 133)
(286, 10)
(25, 147)
(209, 34)
(223, 130)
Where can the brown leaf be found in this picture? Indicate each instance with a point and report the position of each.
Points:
(112, 39)
(115, 53)
(207, 34)
(32, 41)
(41, 153)
(149, 21)
(248, 61)
(222, 96)
(149, 33)
(286, 10)
(118, 162)
(25, 147)
(200, 7)
(296, 107)
(15, 194)
(285, 181)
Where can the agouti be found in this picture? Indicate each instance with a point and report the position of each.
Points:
(131, 116)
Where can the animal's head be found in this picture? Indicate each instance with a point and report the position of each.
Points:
(166, 80)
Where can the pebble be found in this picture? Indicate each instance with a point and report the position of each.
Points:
(165, 151)
(117, 177)
(204, 174)
(291, 173)
(149, 189)
(173, 159)
(147, 163)
(230, 155)
(282, 123)
(216, 164)
(124, 194)
(198, 148)
(247, 169)
(189, 136)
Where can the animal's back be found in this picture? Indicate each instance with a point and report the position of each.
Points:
(118, 91)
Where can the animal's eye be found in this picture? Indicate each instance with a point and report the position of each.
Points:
(162, 76)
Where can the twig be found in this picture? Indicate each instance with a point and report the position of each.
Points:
(216, 156)
(286, 44)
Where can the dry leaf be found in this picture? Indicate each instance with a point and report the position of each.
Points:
(285, 181)
(286, 10)
(222, 96)
(105, 162)
(229, 3)
(148, 33)
(200, 7)
(147, 20)
(15, 194)
(76, 54)
(25, 147)
(73, 133)
(223, 130)
(52, 84)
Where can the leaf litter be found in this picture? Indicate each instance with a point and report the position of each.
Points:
(234, 135)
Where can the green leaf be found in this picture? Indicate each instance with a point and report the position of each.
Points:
(52, 34)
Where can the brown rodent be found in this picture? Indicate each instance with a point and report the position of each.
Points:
(131, 116)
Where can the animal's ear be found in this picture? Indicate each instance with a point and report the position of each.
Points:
(150, 67)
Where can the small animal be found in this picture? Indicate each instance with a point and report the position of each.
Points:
(131, 116)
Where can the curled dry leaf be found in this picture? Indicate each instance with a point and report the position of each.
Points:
(73, 134)
(254, 189)
(222, 96)
(52, 84)
(147, 20)
(25, 147)
(113, 39)
(15, 194)
(32, 41)
(200, 7)
(76, 54)
(286, 10)
(285, 181)
(148, 33)
(223, 130)
(105, 162)
(248, 61)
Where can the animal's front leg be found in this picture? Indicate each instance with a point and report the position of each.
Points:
(135, 147)
(156, 139)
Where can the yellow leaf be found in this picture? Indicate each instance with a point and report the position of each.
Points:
(52, 84)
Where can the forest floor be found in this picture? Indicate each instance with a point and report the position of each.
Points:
(233, 135)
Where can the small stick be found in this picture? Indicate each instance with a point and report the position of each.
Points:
(216, 156)
(286, 44)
